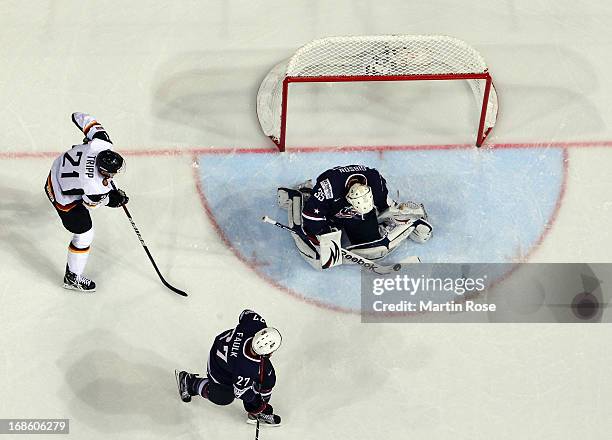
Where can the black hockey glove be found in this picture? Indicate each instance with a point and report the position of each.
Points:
(267, 417)
(268, 409)
(264, 408)
(257, 405)
(117, 198)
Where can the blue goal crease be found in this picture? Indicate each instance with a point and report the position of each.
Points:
(485, 206)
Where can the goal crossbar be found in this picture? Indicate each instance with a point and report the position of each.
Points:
(401, 53)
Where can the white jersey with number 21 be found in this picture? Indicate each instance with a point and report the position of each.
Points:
(74, 174)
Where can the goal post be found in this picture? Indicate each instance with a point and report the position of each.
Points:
(376, 58)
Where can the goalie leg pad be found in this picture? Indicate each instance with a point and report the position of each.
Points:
(398, 232)
(422, 231)
(371, 253)
(392, 232)
(308, 251)
(329, 249)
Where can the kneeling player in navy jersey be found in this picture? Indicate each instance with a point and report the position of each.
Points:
(349, 206)
(239, 367)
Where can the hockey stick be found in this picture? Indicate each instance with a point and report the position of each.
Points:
(346, 254)
(261, 379)
(164, 282)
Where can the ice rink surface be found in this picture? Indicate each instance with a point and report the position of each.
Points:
(175, 86)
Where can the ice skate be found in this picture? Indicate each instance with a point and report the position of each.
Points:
(181, 381)
(79, 283)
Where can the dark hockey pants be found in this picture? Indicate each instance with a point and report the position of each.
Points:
(221, 394)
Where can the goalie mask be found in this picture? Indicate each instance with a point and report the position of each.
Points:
(266, 341)
(361, 198)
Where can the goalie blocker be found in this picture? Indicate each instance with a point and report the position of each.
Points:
(386, 231)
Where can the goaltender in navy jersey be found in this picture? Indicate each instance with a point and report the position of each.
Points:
(328, 207)
(230, 363)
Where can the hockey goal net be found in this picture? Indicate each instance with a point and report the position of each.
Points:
(376, 58)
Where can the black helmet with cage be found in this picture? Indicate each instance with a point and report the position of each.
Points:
(109, 163)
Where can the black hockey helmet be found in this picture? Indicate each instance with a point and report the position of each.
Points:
(109, 163)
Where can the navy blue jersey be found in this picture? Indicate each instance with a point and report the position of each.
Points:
(230, 363)
(328, 207)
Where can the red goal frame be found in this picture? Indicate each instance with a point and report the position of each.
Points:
(481, 135)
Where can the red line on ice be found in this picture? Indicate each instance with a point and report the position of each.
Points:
(189, 151)
(195, 151)
(255, 268)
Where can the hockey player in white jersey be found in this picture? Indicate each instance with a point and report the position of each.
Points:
(79, 182)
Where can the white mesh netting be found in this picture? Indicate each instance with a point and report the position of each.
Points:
(384, 55)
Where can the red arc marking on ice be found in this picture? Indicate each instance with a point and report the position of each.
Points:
(194, 152)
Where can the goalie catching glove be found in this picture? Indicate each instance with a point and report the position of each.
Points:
(408, 213)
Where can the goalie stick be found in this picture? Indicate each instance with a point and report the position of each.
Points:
(163, 280)
(351, 256)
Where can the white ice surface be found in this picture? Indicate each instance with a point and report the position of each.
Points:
(183, 76)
